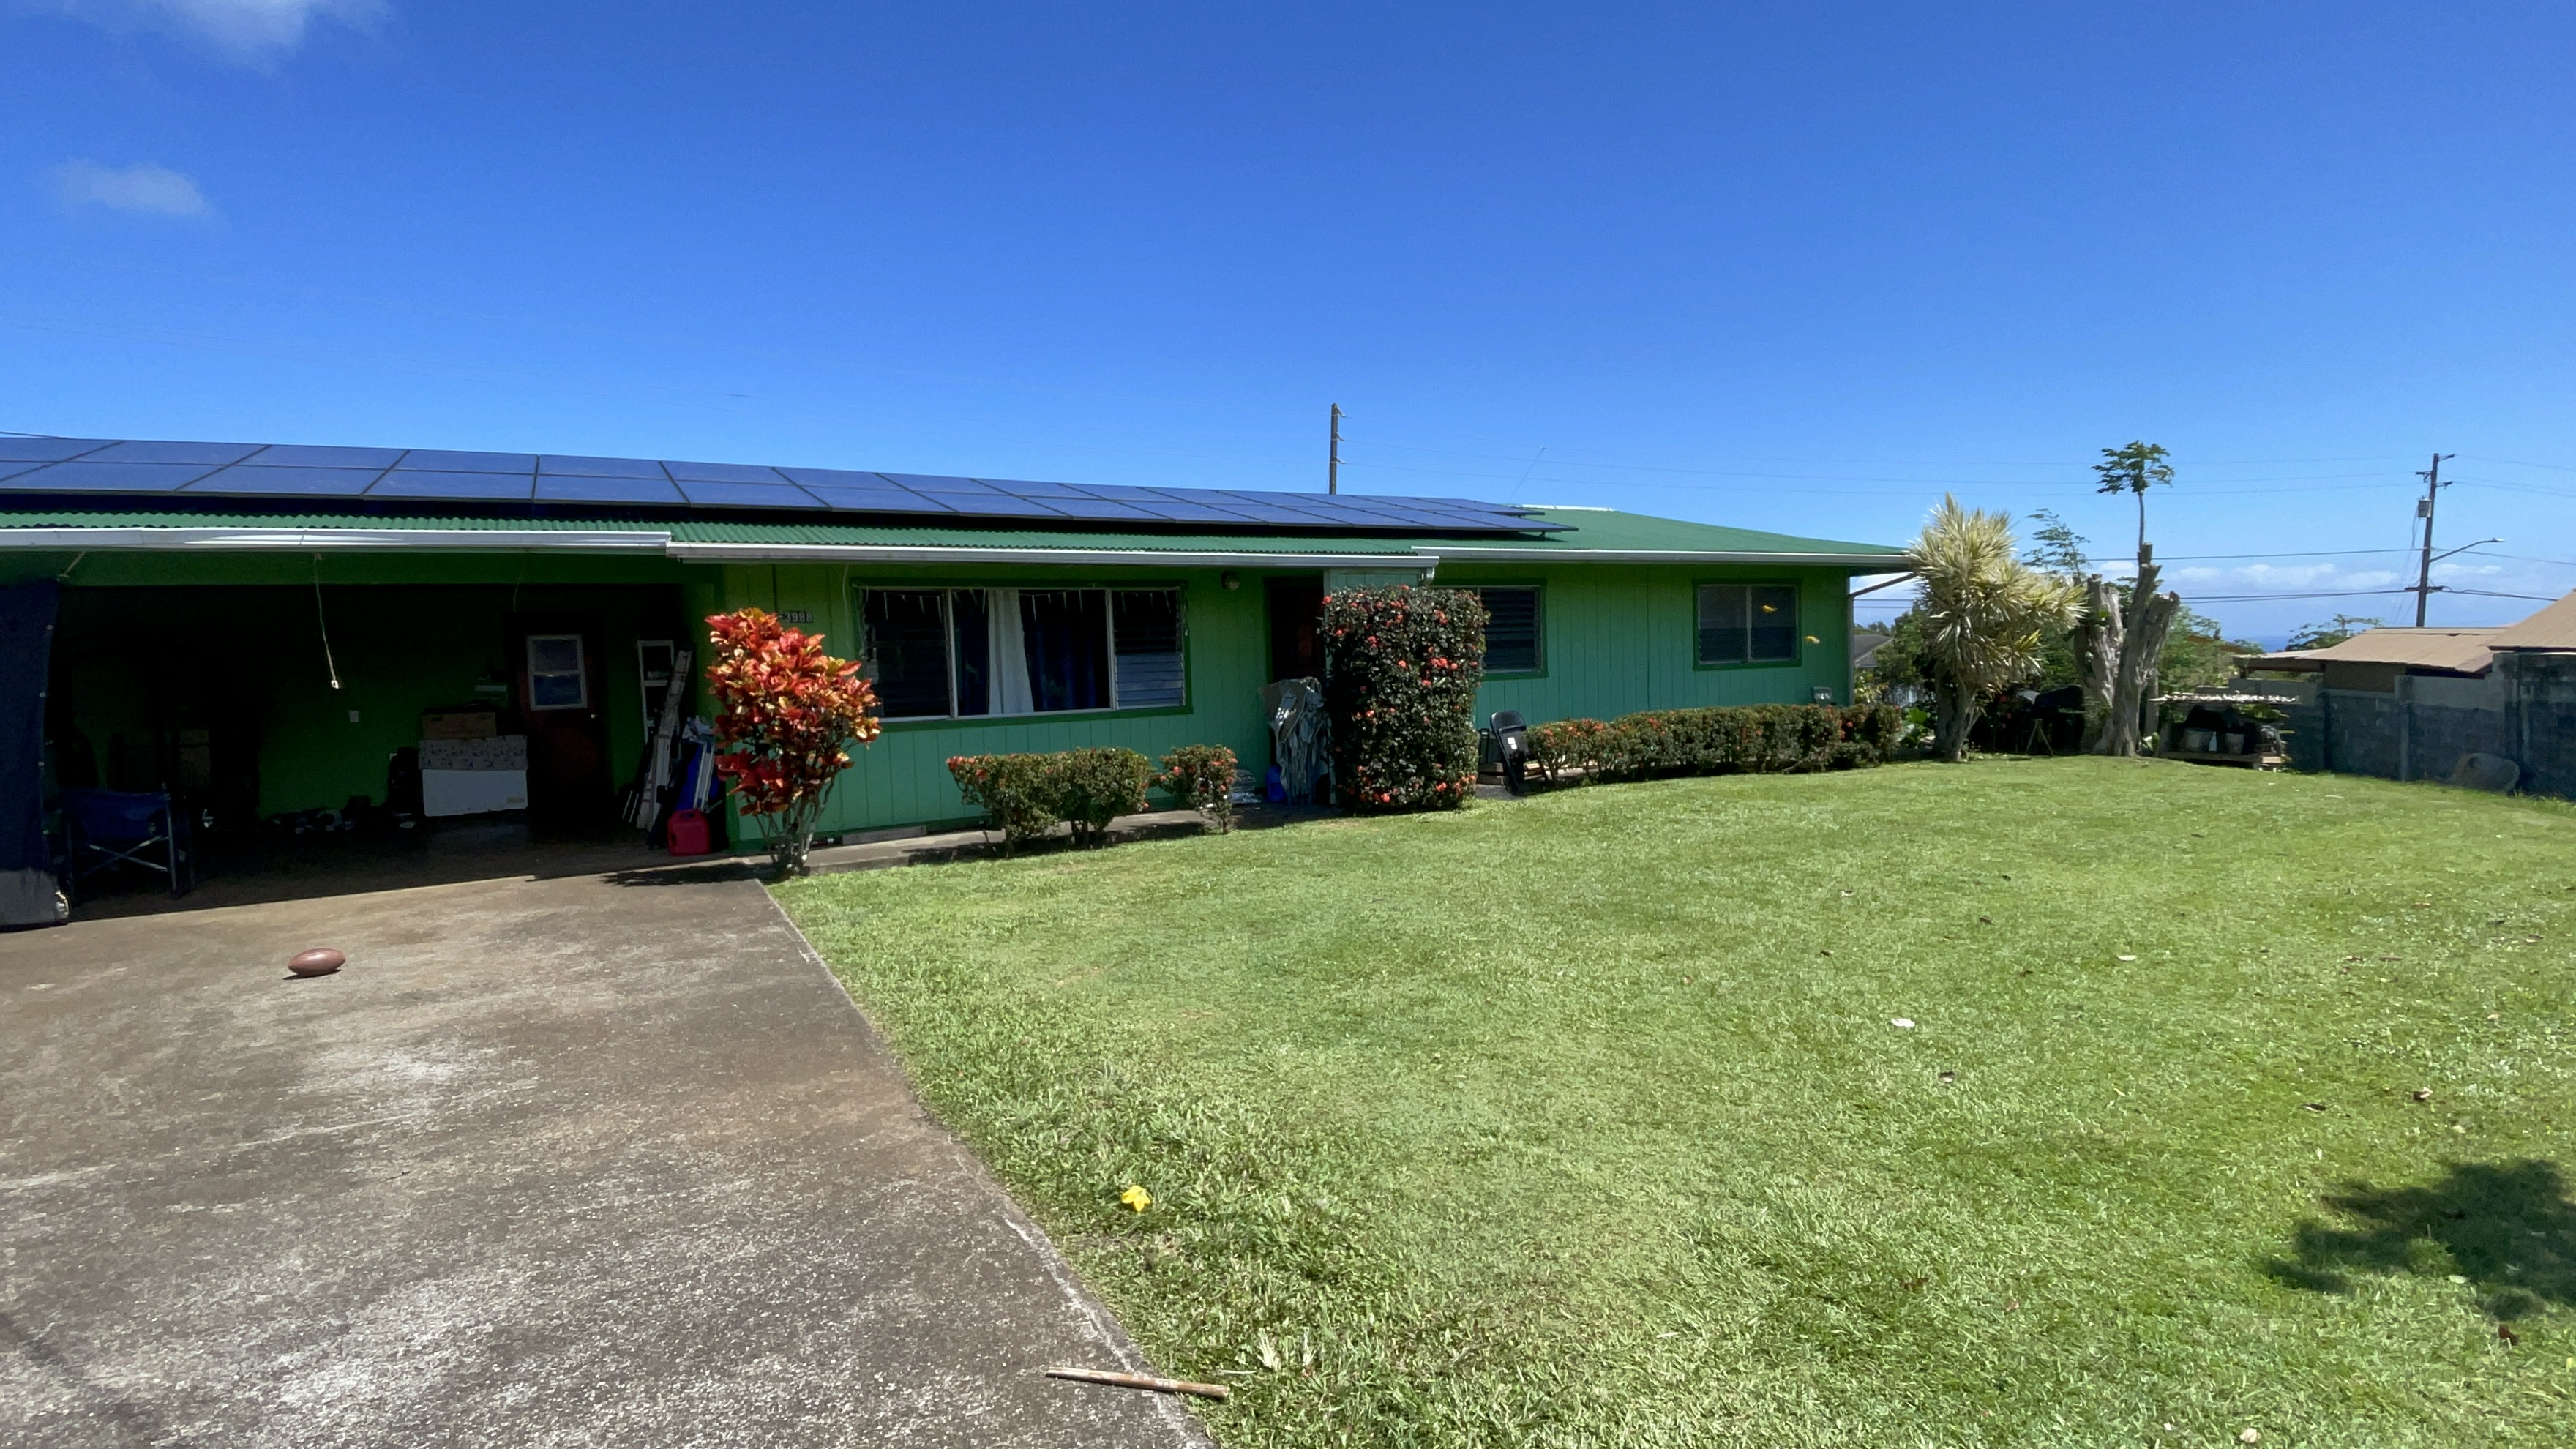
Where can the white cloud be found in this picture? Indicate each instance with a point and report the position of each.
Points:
(242, 29)
(142, 186)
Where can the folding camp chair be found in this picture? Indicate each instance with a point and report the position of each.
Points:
(109, 828)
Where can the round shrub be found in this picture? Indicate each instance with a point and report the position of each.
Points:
(1202, 777)
(1090, 788)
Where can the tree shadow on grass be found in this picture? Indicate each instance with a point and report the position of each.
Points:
(2506, 1227)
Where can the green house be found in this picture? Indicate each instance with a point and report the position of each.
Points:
(261, 629)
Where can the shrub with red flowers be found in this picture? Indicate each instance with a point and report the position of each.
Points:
(1401, 666)
(1202, 777)
(785, 712)
(1567, 744)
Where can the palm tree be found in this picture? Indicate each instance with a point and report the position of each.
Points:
(1985, 613)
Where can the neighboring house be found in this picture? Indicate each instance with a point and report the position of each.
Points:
(2408, 703)
(1864, 648)
(260, 629)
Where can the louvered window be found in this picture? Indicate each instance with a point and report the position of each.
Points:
(1512, 630)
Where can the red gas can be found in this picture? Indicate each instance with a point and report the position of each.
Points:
(688, 833)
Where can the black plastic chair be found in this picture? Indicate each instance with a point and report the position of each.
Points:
(109, 828)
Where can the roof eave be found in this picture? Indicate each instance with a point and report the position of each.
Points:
(1422, 557)
(337, 540)
(1471, 553)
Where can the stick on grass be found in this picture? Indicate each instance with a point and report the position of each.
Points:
(1218, 1392)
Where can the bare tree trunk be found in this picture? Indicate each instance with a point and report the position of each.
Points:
(2142, 645)
(1954, 714)
(2097, 654)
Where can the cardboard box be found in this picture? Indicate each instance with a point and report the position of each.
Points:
(501, 752)
(469, 723)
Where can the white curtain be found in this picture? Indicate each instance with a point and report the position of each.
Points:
(1009, 651)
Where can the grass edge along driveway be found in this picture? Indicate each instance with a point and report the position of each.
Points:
(1593, 1118)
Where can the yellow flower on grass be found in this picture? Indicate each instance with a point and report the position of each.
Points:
(1136, 1197)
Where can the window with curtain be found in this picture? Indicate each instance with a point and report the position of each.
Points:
(1748, 623)
(1511, 630)
(966, 653)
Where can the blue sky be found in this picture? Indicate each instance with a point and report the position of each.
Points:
(1791, 267)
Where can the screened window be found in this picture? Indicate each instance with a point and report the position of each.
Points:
(1748, 623)
(964, 653)
(1511, 630)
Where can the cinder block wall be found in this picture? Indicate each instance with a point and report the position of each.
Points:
(2541, 695)
(2525, 710)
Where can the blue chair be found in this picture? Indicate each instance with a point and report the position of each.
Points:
(109, 828)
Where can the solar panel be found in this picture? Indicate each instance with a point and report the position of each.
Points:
(599, 467)
(478, 487)
(258, 480)
(719, 473)
(239, 470)
(46, 450)
(996, 505)
(772, 494)
(927, 483)
(293, 455)
(1262, 510)
(433, 460)
(1182, 510)
(1019, 488)
(1101, 508)
(877, 500)
(608, 490)
(212, 455)
(83, 476)
(840, 478)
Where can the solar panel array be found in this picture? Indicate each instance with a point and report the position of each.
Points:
(91, 466)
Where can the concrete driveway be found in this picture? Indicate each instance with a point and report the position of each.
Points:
(572, 1161)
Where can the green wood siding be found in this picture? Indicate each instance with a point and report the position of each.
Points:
(902, 778)
(1617, 638)
(414, 630)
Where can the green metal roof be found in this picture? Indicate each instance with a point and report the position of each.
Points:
(1607, 528)
(1590, 533)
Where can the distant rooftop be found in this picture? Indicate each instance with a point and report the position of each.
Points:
(182, 473)
(2458, 651)
(2553, 627)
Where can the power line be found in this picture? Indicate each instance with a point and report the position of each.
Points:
(2308, 553)
(2306, 594)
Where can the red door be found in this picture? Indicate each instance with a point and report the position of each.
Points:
(561, 710)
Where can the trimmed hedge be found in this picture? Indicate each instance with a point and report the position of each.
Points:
(1401, 666)
(1742, 739)
(1025, 796)
(1202, 777)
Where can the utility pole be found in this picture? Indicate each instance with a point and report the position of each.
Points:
(1333, 467)
(2424, 571)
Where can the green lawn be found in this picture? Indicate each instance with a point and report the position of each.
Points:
(1583, 1119)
